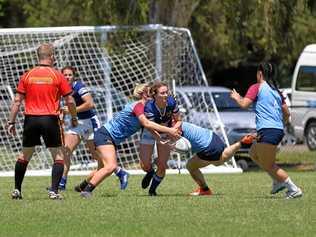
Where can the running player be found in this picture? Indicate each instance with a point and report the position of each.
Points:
(208, 149)
(162, 109)
(271, 115)
(123, 125)
(88, 124)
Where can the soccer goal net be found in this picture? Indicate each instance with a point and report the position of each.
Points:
(110, 60)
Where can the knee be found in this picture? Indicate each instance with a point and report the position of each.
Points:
(162, 165)
(146, 166)
(110, 167)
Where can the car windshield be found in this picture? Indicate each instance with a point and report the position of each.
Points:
(202, 101)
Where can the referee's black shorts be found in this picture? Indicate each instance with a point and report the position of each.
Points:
(46, 126)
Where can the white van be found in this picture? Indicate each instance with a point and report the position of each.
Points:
(303, 111)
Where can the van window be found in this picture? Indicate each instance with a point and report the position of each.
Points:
(202, 101)
(306, 79)
(223, 101)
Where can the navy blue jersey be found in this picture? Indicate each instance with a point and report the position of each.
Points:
(79, 90)
(153, 113)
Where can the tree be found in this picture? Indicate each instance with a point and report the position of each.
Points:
(172, 13)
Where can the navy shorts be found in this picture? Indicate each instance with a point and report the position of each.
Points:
(271, 136)
(214, 150)
(103, 137)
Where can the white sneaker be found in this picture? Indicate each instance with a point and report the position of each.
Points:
(294, 194)
(54, 196)
(277, 187)
(16, 194)
(86, 194)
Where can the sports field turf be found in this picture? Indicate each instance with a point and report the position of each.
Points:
(241, 206)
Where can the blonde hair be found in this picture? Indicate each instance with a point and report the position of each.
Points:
(139, 90)
(45, 51)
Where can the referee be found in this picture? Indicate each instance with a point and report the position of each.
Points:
(41, 88)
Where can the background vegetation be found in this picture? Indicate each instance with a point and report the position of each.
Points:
(232, 36)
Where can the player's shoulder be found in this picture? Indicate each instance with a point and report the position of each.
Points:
(80, 87)
(150, 104)
(171, 99)
(78, 84)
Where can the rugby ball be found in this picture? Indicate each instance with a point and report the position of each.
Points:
(182, 145)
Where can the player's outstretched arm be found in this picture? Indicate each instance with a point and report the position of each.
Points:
(243, 102)
(173, 132)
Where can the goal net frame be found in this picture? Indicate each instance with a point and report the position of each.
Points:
(110, 60)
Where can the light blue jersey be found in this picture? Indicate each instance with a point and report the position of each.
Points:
(200, 138)
(125, 123)
(268, 108)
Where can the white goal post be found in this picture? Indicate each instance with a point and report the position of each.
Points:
(110, 60)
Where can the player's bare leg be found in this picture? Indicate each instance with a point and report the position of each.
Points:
(193, 166)
(145, 154)
(163, 157)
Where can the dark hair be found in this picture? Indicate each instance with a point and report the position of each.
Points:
(69, 68)
(269, 73)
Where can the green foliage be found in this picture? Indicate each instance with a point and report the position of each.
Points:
(91, 12)
(241, 206)
(228, 34)
(247, 31)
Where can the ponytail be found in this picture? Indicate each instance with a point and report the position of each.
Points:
(269, 74)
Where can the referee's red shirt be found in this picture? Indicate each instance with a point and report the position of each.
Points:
(43, 87)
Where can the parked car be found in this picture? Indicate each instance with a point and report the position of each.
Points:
(196, 102)
(303, 118)
(289, 138)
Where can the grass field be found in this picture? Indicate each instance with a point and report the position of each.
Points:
(241, 206)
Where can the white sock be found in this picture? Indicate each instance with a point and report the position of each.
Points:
(290, 185)
(118, 169)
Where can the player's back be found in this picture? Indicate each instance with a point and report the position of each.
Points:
(199, 137)
(43, 87)
(123, 124)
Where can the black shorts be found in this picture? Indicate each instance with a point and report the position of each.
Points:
(46, 126)
(214, 150)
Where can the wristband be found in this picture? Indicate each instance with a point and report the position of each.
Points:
(11, 123)
(74, 118)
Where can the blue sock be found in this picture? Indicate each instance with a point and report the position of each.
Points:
(155, 183)
(63, 181)
(119, 172)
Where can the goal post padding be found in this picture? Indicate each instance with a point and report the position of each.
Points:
(110, 60)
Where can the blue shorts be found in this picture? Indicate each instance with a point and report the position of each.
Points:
(214, 150)
(271, 136)
(103, 137)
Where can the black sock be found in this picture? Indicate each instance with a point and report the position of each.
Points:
(19, 173)
(89, 187)
(57, 173)
(155, 183)
(83, 184)
(205, 188)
